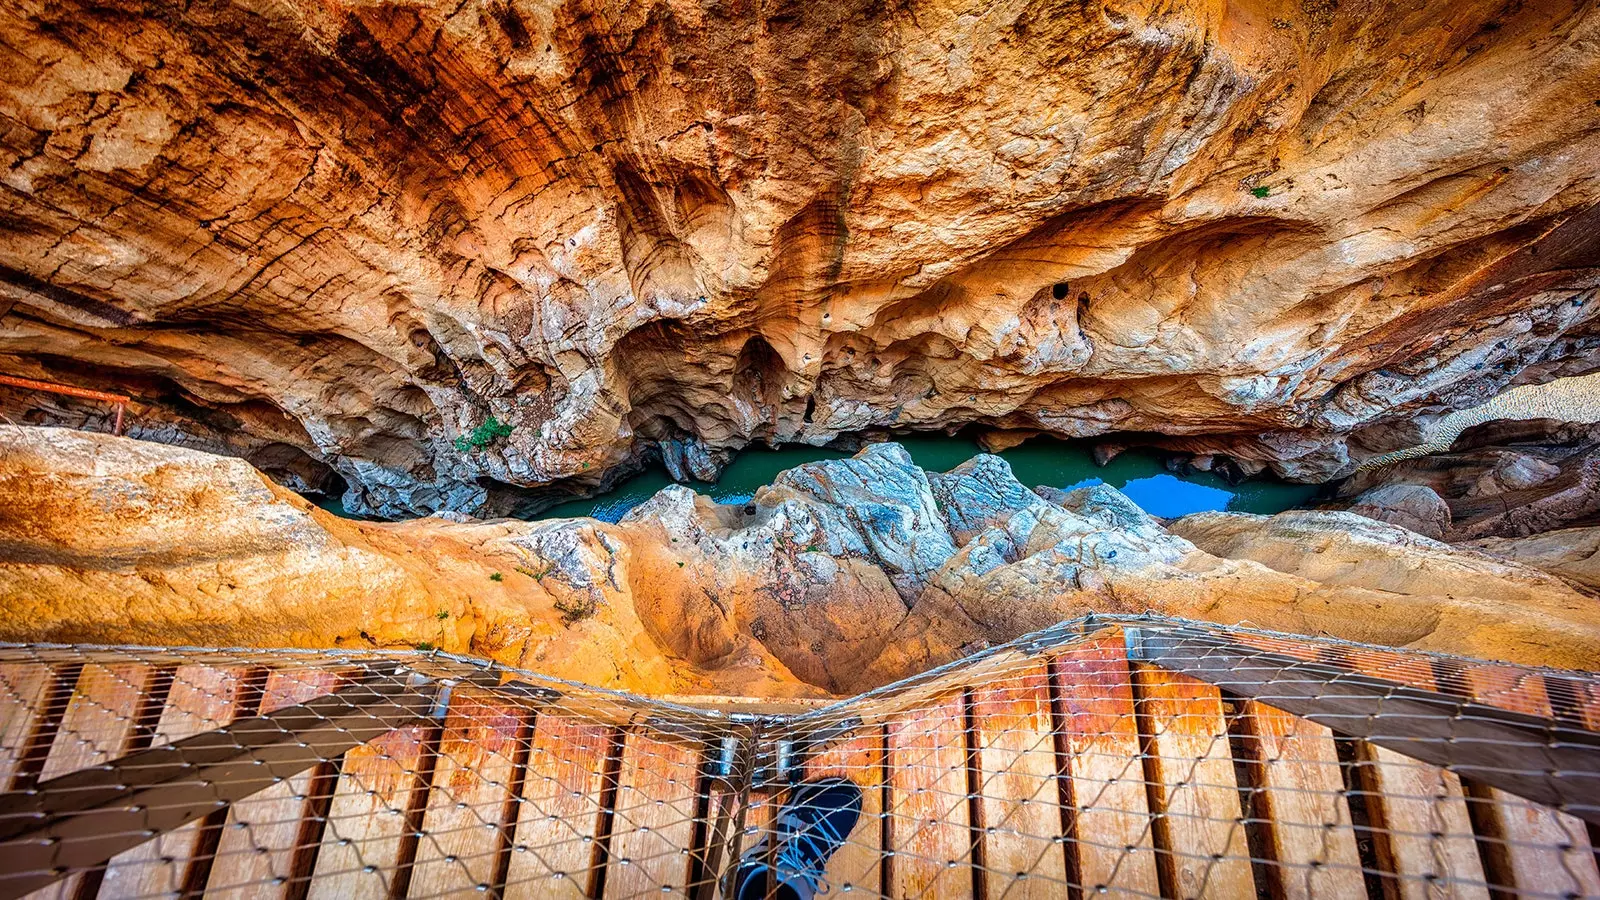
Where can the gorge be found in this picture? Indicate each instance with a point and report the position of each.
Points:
(494, 280)
(337, 240)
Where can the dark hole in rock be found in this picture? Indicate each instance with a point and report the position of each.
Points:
(1059, 290)
(759, 374)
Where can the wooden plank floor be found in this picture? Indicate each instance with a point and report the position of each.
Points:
(1071, 766)
(653, 822)
(27, 691)
(369, 841)
(1019, 808)
(464, 822)
(1423, 831)
(554, 853)
(1099, 738)
(264, 850)
(1193, 791)
(1299, 800)
(106, 716)
(1532, 846)
(927, 825)
(202, 698)
(109, 714)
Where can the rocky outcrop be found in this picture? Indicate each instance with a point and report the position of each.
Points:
(1572, 553)
(341, 240)
(113, 540)
(1501, 479)
(840, 576)
(1307, 572)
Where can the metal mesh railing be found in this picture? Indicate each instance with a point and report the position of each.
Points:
(1131, 755)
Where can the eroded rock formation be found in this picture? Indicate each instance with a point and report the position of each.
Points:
(119, 541)
(843, 575)
(1499, 479)
(337, 238)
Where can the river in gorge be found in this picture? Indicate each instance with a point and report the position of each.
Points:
(1140, 474)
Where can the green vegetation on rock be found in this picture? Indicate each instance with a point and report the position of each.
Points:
(490, 431)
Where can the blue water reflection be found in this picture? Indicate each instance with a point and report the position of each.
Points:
(1141, 475)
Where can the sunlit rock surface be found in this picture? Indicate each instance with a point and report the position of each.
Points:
(1572, 553)
(334, 239)
(843, 575)
(113, 540)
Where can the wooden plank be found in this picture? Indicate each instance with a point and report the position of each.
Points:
(553, 852)
(653, 825)
(264, 846)
(1301, 802)
(927, 826)
(1508, 687)
(1423, 833)
(203, 698)
(1391, 665)
(1528, 846)
(1099, 738)
(26, 690)
(1586, 702)
(1299, 648)
(1019, 804)
(858, 865)
(1202, 847)
(366, 842)
(467, 810)
(102, 721)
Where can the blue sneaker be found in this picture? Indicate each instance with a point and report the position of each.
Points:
(810, 828)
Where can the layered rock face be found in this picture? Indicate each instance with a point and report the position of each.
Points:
(843, 575)
(344, 237)
(1500, 479)
(118, 541)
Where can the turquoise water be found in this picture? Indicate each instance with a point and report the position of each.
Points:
(1065, 464)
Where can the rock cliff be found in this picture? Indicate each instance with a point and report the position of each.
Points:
(353, 238)
(1500, 479)
(843, 575)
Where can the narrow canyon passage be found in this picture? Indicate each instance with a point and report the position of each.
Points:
(723, 449)
(654, 345)
(424, 250)
(1161, 485)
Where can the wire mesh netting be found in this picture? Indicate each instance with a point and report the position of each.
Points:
(1134, 755)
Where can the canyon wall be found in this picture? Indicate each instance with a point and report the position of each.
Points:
(843, 575)
(343, 238)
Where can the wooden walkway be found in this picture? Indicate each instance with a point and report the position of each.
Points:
(1574, 399)
(1066, 770)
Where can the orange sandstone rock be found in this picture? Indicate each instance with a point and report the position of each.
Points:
(842, 575)
(335, 238)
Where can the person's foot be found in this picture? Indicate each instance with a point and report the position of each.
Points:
(810, 827)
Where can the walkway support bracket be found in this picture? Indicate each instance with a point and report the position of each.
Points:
(120, 401)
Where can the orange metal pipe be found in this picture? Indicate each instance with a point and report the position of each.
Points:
(67, 389)
(121, 400)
